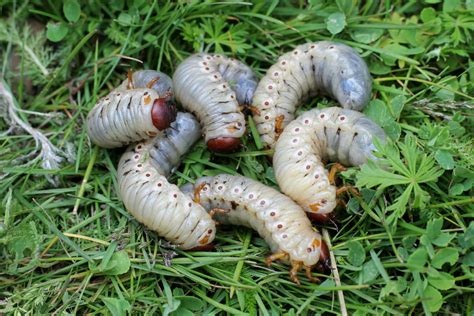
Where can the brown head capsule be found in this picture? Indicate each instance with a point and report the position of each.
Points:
(163, 113)
(321, 218)
(223, 144)
(324, 258)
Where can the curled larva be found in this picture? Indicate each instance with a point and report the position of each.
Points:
(331, 134)
(137, 109)
(281, 222)
(315, 68)
(155, 202)
(214, 88)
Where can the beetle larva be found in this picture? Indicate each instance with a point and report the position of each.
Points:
(212, 87)
(155, 202)
(136, 110)
(331, 134)
(323, 67)
(281, 222)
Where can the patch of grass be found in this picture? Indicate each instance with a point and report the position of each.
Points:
(405, 246)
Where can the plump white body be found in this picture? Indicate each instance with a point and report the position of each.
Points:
(331, 134)
(211, 87)
(277, 219)
(315, 68)
(155, 202)
(122, 117)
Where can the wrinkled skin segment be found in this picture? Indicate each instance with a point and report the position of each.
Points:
(321, 68)
(214, 88)
(155, 202)
(276, 218)
(160, 82)
(331, 134)
(133, 111)
(167, 149)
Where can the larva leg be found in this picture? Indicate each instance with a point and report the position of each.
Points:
(130, 79)
(276, 256)
(254, 110)
(150, 84)
(132, 112)
(153, 201)
(277, 218)
(310, 276)
(295, 267)
(327, 68)
(214, 88)
(346, 188)
(332, 134)
(218, 210)
(279, 125)
(197, 192)
(337, 167)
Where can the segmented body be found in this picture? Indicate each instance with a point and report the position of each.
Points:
(277, 219)
(132, 112)
(214, 88)
(325, 68)
(331, 134)
(156, 80)
(155, 202)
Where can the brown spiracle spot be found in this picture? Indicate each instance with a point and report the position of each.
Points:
(163, 113)
(223, 144)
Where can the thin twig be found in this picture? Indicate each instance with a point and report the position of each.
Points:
(335, 272)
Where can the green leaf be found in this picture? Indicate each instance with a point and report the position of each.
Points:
(397, 104)
(191, 303)
(346, 6)
(378, 112)
(428, 14)
(171, 306)
(336, 22)
(116, 5)
(72, 10)
(182, 312)
(393, 130)
(55, 32)
(391, 287)
(125, 19)
(468, 259)
(21, 238)
(118, 263)
(433, 228)
(117, 306)
(466, 240)
(445, 159)
(442, 281)
(417, 260)
(457, 189)
(369, 272)
(356, 253)
(366, 36)
(432, 299)
(443, 239)
(446, 255)
(451, 5)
